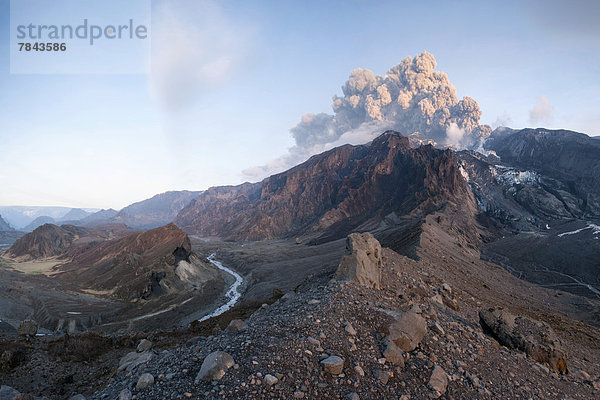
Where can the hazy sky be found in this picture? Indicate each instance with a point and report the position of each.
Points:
(230, 78)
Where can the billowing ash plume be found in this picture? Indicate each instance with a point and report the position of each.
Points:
(411, 98)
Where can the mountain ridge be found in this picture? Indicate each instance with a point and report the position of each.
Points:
(332, 193)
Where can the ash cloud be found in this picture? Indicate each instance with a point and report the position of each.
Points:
(542, 111)
(412, 98)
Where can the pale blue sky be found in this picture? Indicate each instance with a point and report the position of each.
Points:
(230, 78)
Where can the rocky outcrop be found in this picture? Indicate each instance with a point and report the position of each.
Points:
(535, 338)
(362, 260)
(331, 194)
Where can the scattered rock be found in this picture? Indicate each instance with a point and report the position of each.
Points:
(28, 328)
(350, 329)
(450, 301)
(314, 341)
(438, 380)
(23, 397)
(77, 397)
(144, 345)
(407, 331)
(298, 394)
(437, 328)
(393, 354)
(359, 371)
(333, 364)
(353, 396)
(133, 359)
(582, 376)
(535, 338)
(446, 288)
(270, 380)
(144, 381)
(362, 260)
(237, 325)
(288, 296)
(125, 394)
(437, 299)
(382, 376)
(214, 366)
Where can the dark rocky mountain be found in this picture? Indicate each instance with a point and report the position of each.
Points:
(155, 211)
(569, 161)
(51, 240)
(345, 189)
(142, 265)
(39, 221)
(534, 181)
(46, 241)
(540, 190)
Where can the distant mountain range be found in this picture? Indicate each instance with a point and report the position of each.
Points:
(156, 211)
(4, 226)
(20, 217)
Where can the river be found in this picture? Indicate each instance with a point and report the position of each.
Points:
(232, 295)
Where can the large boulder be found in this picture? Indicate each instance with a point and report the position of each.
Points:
(237, 325)
(132, 360)
(362, 260)
(333, 364)
(438, 380)
(214, 366)
(144, 381)
(535, 338)
(143, 346)
(407, 331)
(393, 353)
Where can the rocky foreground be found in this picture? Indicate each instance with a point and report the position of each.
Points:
(380, 329)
